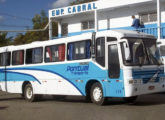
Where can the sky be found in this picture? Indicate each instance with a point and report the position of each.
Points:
(17, 14)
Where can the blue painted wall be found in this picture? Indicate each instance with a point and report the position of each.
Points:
(149, 29)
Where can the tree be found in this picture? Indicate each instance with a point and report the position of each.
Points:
(19, 39)
(39, 22)
(4, 41)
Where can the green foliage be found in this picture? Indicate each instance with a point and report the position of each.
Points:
(19, 39)
(81, 1)
(4, 41)
(39, 22)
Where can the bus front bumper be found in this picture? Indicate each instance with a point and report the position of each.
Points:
(141, 89)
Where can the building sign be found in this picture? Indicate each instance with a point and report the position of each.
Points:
(73, 9)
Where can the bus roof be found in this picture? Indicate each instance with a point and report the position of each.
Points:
(86, 36)
(124, 33)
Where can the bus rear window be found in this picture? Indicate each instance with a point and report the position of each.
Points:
(55, 53)
(5, 59)
(79, 50)
(34, 56)
(18, 57)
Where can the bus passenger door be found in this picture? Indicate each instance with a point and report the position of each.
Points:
(115, 76)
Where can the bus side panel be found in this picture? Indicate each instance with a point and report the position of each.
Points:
(7, 84)
(16, 78)
(2, 80)
(65, 79)
(78, 74)
(115, 87)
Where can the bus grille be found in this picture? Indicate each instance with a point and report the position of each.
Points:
(147, 76)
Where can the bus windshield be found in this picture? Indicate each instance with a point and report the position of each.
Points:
(140, 51)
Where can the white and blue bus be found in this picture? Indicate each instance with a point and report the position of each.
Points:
(99, 65)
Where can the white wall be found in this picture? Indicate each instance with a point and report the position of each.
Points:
(120, 17)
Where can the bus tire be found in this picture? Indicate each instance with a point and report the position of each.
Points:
(28, 93)
(96, 94)
(130, 99)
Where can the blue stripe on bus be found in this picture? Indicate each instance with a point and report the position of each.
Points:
(23, 74)
(49, 72)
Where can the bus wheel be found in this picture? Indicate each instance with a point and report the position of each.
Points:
(28, 93)
(96, 94)
(130, 99)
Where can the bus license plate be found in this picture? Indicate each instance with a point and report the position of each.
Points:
(151, 87)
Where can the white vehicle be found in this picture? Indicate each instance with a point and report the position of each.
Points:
(106, 64)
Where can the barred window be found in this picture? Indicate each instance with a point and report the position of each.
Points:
(64, 29)
(85, 25)
(148, 17)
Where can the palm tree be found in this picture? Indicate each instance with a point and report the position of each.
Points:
(4, 41)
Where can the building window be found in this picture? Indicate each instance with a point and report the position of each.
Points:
(18, 57)
(64, 29)
(85, 25)
(34, 56)
(79, 50)
(5, 59)
(55, 53)
(148, 17)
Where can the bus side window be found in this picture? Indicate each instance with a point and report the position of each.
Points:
(55, 53)
(18, 57)
(79, 50)
(5, 59)
(34, 56)
(100, 51)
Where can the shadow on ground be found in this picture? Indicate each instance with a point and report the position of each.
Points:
(144, 100)
(3, 108)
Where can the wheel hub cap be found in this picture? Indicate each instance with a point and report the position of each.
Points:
(97, 94)
(29, 92)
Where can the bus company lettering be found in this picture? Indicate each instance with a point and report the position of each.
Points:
(78, 70)
(74, 9)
